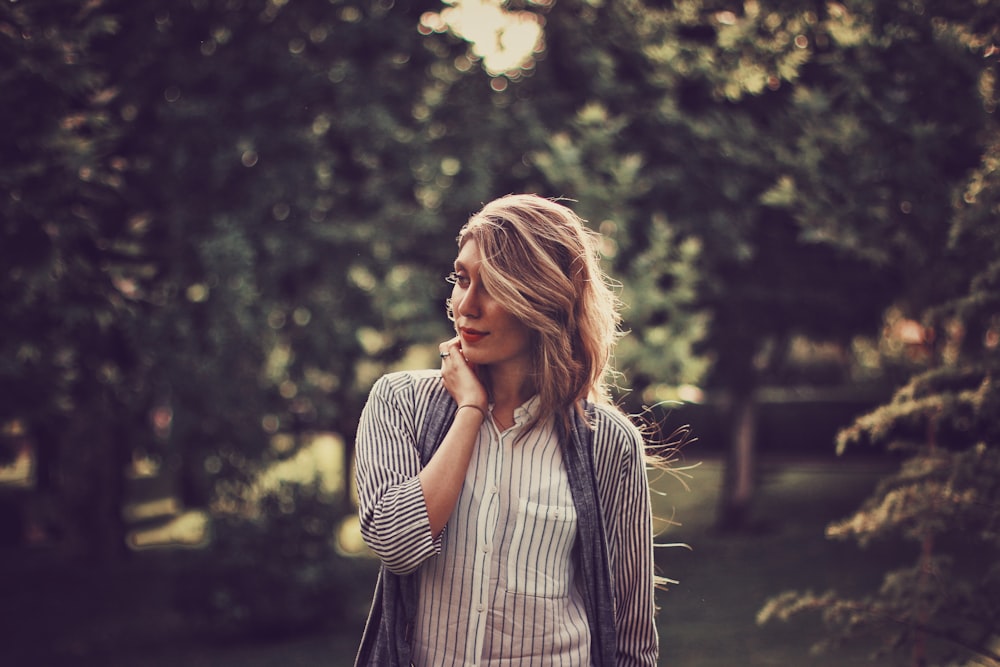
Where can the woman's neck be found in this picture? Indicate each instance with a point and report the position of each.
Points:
(509, 390)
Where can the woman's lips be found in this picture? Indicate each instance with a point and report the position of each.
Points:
(472, 335)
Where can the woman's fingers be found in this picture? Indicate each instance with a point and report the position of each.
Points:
(449, 348)
(452, 358)
(459, 376)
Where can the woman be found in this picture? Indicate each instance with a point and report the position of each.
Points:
(505, 495)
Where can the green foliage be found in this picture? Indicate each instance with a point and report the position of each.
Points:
(69, 370)
(220, 220)
(810, 153)
(704, 116)
(215, 228)
(655, 268)
(943, 607)
(273, 572)
(945, 498)
(664, 326)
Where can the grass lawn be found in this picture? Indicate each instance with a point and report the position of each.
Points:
(709, 618)
(54, 615)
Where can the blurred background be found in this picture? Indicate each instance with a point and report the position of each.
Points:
(222, 220)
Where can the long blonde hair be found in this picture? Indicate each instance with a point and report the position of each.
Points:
(542, 264)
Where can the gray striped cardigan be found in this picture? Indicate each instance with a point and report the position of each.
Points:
(607, 476)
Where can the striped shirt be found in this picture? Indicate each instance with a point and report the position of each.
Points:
(501, 592)
(395, 525)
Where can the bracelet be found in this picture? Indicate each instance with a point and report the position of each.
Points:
(474, 407)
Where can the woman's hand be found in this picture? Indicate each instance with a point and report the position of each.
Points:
(442, 478)
(460, 377)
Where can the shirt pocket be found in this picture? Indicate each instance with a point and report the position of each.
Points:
(539, 562)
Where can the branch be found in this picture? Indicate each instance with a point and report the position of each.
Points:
(930, 630)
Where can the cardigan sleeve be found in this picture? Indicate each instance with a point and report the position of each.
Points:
(393, 514)
(629, 524)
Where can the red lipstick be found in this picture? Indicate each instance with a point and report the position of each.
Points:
(472, 335)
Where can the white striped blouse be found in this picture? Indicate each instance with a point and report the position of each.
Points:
(502, 592)
(496, 587)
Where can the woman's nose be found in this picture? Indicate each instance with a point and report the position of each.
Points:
(468, 302)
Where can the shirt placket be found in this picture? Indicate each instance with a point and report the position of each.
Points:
(486, 525)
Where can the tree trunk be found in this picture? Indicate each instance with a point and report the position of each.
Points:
(91, 485)
(739, 479)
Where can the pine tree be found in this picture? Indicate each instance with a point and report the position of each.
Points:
(944, 607)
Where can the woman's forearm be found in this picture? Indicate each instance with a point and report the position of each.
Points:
(442, 478)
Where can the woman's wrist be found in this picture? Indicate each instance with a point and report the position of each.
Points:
(474, 407)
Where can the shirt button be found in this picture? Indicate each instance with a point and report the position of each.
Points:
(494, 490)
(480, 608)
(486, 548)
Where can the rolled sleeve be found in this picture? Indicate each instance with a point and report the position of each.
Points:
(638, 643)
(624, 487)
(392, 510)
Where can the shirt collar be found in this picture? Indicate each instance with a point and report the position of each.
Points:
(528, 410)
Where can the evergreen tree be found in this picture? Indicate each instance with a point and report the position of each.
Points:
(945, 497)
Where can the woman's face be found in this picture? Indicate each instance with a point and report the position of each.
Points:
(490, 334)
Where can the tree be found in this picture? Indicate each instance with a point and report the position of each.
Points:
(69, 372)
(570, 146)
(945, 497)
(218, 231)
(676, 123)
(657, 271)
